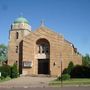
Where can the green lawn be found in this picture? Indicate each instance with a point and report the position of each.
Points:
(5, 79)
(71, 82)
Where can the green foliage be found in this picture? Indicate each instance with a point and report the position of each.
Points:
(3, 52)
(2, 77)
(80, 71)
(64, 77)
(86, 60)
(69, 68)
(14, 71)
(65, 71)
(5, 71)
(71, 65)
(9, 71)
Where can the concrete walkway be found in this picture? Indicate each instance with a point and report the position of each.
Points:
(27, 81)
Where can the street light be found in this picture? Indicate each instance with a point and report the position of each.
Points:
(61, 69)
(60, 57)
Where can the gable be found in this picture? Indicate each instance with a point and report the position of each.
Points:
(44, 32)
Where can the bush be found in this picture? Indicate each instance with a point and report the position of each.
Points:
(8, 71)
(14, 71)
(80, 72)
(65, 71)
(64, 77)
(2, 77)
(69, 68)
(5, 71)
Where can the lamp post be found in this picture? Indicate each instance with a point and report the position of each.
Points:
(61, 70)
(59, 41)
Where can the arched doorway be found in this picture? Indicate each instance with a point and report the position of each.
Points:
(43, 56)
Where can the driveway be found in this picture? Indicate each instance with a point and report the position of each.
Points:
(27, 81)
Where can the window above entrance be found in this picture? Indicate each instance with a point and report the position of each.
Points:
(43, 48)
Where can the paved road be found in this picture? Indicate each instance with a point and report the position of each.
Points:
(27, 82)
(48, 88)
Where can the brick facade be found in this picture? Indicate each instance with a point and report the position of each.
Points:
(59, 49)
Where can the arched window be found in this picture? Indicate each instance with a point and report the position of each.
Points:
(17, 35)
(43, 48)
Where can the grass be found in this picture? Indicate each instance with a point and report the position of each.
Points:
(5, 79)
(71, 82)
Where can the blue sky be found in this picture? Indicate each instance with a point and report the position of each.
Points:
(71, 18)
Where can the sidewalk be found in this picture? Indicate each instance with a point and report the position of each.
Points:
(27, 81)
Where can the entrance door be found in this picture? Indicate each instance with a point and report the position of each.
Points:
(43, 66)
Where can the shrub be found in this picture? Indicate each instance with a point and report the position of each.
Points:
(64, 77)
(2, 77)
(69, 68)
(14, 71)
(65, 71)
(80, 72)
(5, 71)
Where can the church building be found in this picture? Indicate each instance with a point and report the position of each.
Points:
(41, 51)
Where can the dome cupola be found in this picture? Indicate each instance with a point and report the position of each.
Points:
(21, 23)
(21, 20)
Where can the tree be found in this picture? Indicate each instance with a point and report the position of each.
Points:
(86, 60)
(3, 53)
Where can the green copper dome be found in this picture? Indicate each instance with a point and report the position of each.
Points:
(21, 20)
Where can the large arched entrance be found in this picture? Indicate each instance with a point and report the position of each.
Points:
(43, 56)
